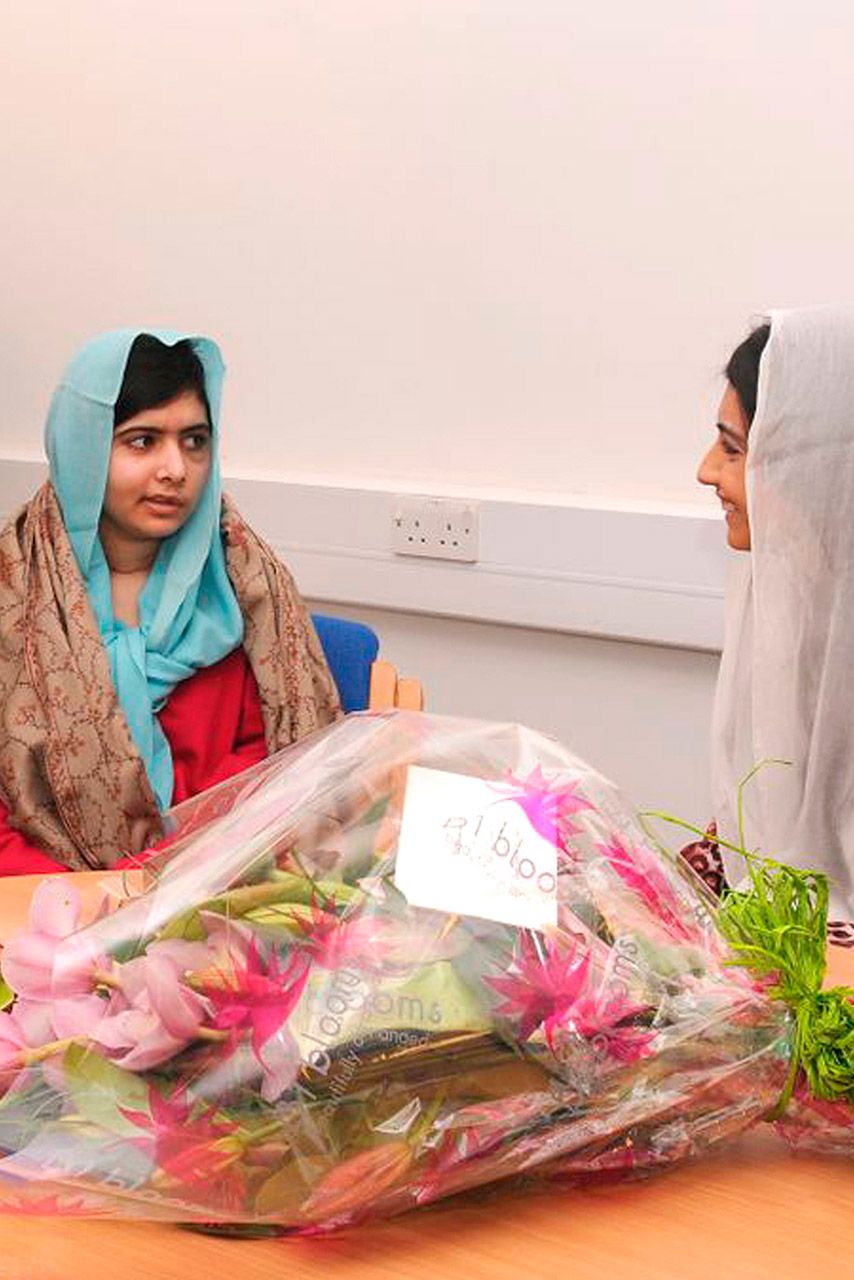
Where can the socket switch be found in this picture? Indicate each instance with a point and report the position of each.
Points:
(442, 528)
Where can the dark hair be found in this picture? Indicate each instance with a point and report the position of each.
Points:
(742, 368)
(156, 373)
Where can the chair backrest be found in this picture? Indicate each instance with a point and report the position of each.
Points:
(350, 649)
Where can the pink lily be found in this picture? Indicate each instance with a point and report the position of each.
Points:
(150, 1016)
(45, 962)
(153, 1015)
(23, 1032)
(155, 981)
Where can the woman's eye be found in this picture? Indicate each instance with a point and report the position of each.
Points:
(198, 441)
(140, 442)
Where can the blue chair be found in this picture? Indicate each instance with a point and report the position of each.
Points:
(350, 648)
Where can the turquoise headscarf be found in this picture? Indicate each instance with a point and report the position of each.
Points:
(189, 617)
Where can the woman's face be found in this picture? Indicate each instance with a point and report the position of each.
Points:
(723, 468)
(159, 465)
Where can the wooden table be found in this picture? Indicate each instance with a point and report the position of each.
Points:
(751, 1212)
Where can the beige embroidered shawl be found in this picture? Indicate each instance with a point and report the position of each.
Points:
(70, 774)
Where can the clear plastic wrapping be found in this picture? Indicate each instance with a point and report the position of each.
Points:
(408, 956)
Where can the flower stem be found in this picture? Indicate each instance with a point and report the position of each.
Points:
(30, 1057)
(103, 978)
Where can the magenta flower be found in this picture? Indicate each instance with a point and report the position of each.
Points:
(605, 1019)
(547, 807)
(549, 986)
(645, 878)
(45, 962)
(192, 1144)
(362, 942)
(257, 996)
(545, 981)
(239, 1067)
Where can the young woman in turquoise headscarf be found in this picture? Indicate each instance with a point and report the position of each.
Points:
(152, 644)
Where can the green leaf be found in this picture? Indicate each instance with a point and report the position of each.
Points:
(250, 901)
(101, 1091)
(7, 995)
(285, 915)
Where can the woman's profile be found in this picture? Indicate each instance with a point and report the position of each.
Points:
(783, 468)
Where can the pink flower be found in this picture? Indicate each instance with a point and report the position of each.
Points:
(360, 942)
(257, 996)
(548, 808)
(549, 986)
(545, 981)
(605, 1020)
(45, 962)
(27, 1027)
(152, 1015)
(640, 873)
(193, 1145)
(154, 982)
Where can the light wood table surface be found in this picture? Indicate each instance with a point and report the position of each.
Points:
(750, 1212)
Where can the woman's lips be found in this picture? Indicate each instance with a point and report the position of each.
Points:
(164, 506)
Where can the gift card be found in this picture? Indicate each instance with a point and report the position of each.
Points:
(468, 847)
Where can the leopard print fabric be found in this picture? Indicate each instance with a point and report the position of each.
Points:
(704, 857)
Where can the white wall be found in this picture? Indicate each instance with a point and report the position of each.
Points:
(496, 241)
(639, 713)
(497, 245)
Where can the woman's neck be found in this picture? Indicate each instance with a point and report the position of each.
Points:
(127, 555)
(130, 562)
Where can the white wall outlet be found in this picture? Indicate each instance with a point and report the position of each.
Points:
(442, 528)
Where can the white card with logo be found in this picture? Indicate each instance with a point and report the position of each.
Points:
(467, 847)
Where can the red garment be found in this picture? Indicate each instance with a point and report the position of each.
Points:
(213, 725)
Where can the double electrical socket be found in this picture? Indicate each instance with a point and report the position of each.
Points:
(442, 528)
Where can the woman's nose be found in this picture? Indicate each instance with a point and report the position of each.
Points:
(173, 465)
(707, 472)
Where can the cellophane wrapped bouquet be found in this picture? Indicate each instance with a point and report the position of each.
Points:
(408, 956)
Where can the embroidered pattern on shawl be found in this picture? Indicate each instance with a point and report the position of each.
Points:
(70, 774)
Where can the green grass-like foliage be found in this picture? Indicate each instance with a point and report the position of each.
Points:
(778, 928)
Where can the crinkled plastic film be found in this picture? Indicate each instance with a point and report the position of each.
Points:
(273, 1035)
